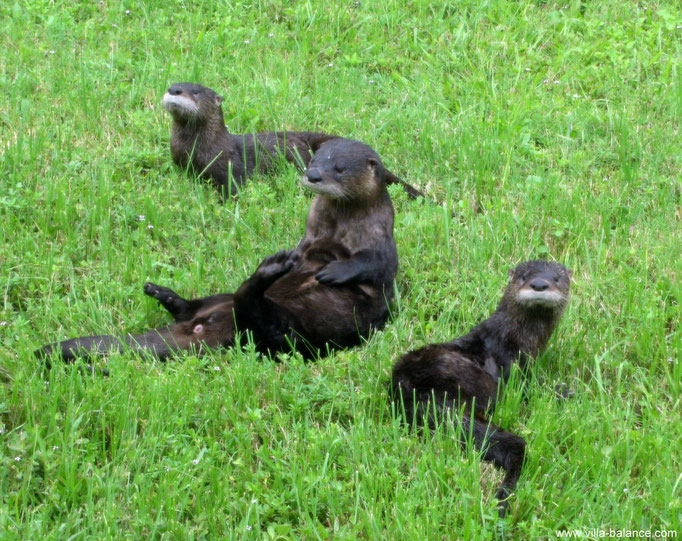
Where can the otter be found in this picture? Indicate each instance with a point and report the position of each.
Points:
(329, 292)
(200, 141)
(429, 381)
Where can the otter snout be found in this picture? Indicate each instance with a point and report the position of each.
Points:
(539, 285)
(313, 175)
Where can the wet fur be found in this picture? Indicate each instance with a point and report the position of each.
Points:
(329, 292)
(200, 141)
(429, 382)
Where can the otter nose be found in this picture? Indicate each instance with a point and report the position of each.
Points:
(313, 175)
(175, 90)
(539, 285)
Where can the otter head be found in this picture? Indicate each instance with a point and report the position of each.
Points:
(345, 170)
(543, 285)
(191, 103)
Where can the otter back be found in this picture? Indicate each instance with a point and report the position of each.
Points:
(201, 142)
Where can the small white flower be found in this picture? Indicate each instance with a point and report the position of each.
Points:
(17, 459)
(371, 81)
(216, 368)
(271, 35)
(625, 490)
(249, 528)
(127, 12)
(195, 461)
(141, 218)
(546, 81)
(247, 41)
(55, 448)
(254, 500)
(576, 96)
(556, 82)
(114, 25)
(51, 52)
(150, 226)
(527, 69)
(330, 65)
(167, 469)
(3, 324)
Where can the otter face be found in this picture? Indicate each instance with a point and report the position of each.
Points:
(541, 284)
(343, 169)
(188, 102)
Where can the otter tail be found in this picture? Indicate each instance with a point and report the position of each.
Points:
(412, 192)
(504, 449)
(158, 343)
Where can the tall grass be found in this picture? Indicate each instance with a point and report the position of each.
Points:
(543, 129)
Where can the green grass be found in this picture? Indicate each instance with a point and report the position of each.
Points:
(546, 129)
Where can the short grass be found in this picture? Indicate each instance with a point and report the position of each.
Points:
(544, 129)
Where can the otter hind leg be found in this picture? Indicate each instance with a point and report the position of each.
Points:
(170, 300)
(183, 309)
(504, 449)
(254, 312)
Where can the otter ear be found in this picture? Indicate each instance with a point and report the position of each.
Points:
(511, 274)
(372, 164)
(570, 273)
(218, 100)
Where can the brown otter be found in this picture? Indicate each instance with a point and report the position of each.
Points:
(200, 140)
(330, 291)
(429, 381)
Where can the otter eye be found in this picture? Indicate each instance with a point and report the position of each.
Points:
(556, 279)
(196, 91)
(211, 319)
(339, 169)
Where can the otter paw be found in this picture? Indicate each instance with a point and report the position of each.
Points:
(158, 292)
(563, 391)
(276, 265)
(166, 296)
(335, 273)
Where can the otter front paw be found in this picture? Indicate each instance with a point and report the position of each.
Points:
(336, 273)
(275, 266)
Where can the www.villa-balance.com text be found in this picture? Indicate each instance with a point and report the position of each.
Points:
(610, 533)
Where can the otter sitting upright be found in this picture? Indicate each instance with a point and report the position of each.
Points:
(434, 379)
(200, 140)
(330, 291)
(338, 282)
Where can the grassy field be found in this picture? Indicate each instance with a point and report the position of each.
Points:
(543, 129)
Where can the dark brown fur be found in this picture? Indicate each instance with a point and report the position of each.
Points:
(330, 291)
(200, 141)
(432, 380)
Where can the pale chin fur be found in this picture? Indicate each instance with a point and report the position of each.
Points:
(539, 298)
(322, 188)
(179, 104)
